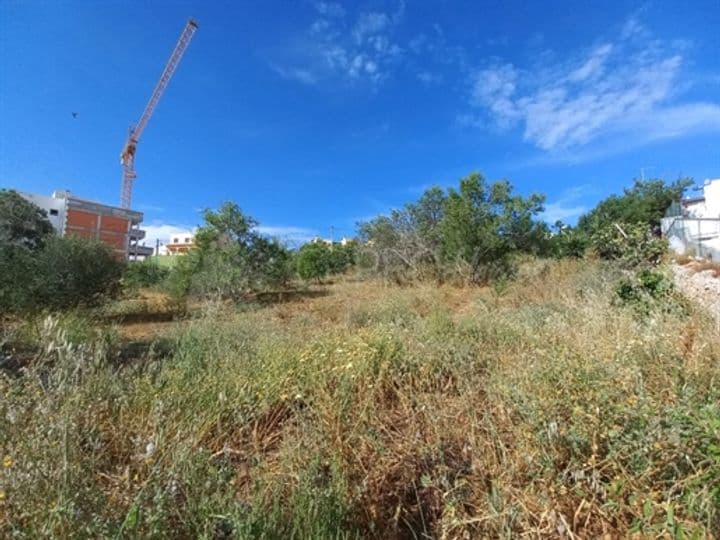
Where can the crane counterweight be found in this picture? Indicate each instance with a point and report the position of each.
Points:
(127, 156)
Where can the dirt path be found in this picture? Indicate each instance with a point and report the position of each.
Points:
(703, 287)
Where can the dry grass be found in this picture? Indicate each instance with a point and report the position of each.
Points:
(699, 265)
(539, 409)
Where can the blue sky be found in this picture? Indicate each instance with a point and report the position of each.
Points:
(314, 114)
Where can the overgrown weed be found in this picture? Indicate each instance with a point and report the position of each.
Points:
(540, 407)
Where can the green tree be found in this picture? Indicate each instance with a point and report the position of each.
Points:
(474, 229)
(313, 261)
(626, 227)
(644, 203)
(230, 258)
(484, 225)
(22, 222)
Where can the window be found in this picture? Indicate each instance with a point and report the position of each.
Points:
(175, 241)
(53, 212)
(187, 240)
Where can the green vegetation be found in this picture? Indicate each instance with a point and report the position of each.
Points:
(148, 273)
(21, 222)
(379, 412)
(644, 203)
(315, 260)
(472, 233)
(40, 271)
(577, 395)
(230, 259)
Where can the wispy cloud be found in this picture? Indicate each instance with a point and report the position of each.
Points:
(336, 45)
(149, 208)
(629, 86)
(569, 206)
(428, 78)
(329, 9)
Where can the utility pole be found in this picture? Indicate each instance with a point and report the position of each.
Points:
(332, 234)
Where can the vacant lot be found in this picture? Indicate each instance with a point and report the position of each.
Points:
(539, 406)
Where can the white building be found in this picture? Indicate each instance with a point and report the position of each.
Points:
(692, 225)
(180, 243)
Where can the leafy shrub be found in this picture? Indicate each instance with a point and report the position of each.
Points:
(629, 245)
(75, 271)
(315, 260)
(22, 223)
(644, 203)
(566, 242)
(646, 290)
(473, 231)
(62, 274)
(145, 273)
(230, 258)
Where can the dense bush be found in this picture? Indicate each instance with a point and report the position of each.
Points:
(471, 232)
(147, 273)
(647, 290)
(21, 222)
(630, 245)
(62, 274)
(230, 258)
(644, 203)
(565, 241)
(315, 260)
(39, 270)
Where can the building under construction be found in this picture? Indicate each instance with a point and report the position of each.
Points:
(119, 228)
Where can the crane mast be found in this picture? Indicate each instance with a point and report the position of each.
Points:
(127, 156)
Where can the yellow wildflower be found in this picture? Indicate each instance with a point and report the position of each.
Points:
(7, 462)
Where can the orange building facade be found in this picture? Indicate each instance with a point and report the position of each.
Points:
(116, 227)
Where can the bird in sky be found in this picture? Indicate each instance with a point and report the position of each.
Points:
(74, 115)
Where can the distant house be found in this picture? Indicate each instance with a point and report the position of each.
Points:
(180, 243)
(344, 241)
(119, 228)
(692, 225)
(318, 240)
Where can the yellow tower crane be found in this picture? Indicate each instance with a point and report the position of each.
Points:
(127, 156)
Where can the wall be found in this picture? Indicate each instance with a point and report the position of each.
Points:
(693, 236)
(110, 230)
(55, 209)
(87, 219)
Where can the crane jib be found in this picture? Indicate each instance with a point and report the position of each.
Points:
(128, 152)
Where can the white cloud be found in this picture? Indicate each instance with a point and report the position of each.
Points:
(594, 65)
(558, 211)
(568, 207)
(494, 88)
(330, 9)
(370, 23)
(428, 78)
(298, 74)
(630, 87)
(336, 47)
